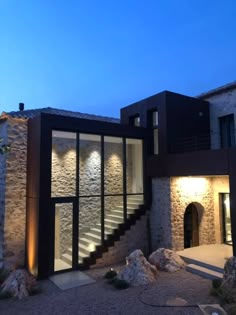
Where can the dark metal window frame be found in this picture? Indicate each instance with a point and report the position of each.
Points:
(46, 219)
(152, 126)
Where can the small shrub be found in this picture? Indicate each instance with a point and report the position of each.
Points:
(121, 284)
(5, 295)
(216, 283)
(111, 281)
(111, 274)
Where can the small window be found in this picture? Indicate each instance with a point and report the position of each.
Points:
(227, 131)
(155, 119)
(135, 121)
(153, 123)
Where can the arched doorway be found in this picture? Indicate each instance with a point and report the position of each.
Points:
(191, 226)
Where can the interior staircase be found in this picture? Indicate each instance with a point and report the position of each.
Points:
(90, 247)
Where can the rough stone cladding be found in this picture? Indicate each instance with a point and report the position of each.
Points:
(171, 196)
(183, 192)
(3, 136)
(221, 104)
(135, 238)
(160, 215)
(13, 211)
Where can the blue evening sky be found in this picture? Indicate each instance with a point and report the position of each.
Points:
(100, 55)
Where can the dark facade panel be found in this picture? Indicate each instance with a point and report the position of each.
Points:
(209, 162)
(188, 123)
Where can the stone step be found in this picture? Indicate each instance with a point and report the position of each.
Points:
(87, 249)
(82, 249)
(189, 260)
(67, 258)
(121, 211)
(86, 242)
(91, 236)
(204, 272)
(112, 223)
(108, 228)
(117, 218)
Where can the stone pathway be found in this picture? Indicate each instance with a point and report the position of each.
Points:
(178, 288)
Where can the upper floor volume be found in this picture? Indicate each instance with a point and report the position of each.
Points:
(180, 123)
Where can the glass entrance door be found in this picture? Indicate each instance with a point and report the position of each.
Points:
(226, 219)
(63, 236)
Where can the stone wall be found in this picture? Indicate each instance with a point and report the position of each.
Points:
(3, 136)
(135, 238)
(171, 196)
(15, 192)
(160, 215)
(220, 105)
(186, 190)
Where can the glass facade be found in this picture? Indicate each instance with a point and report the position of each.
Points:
(134, 166)
(63, 236)
(102, 176)
(226, 218)
(63, 177)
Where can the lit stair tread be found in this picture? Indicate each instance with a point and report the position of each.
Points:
(90, 242)
(86, 248)
(93, 235)
(204, 272)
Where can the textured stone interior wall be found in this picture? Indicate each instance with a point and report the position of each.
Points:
(220, 105)
(160, 215)
(185, 190)
(135, 238)
(3, 136)
(15, 196)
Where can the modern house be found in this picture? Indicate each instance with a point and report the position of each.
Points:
(78, 190)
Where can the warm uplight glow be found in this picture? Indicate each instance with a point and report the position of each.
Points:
(32, 237)
(193, 185)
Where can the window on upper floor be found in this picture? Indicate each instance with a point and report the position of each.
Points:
(227, 131)
(153, 123)
(135, 121)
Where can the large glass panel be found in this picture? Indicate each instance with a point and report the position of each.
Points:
(63, 180)
(227, 219)
(89, 225)
(113, 165)
(90, 165)
(134, 166)
(63, 236)
(114, 213)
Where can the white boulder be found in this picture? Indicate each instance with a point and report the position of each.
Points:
(167, 260)
(138, 271)
(19, 283)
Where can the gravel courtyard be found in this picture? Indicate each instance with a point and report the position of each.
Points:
(102, 298)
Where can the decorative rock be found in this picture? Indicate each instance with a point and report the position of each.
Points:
(229, 277)
(19, 283)
(166, 259)
(138, 271)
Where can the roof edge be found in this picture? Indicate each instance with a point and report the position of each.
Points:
(218, 90)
